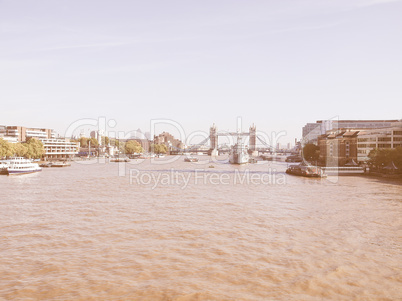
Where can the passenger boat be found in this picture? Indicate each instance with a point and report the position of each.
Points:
(239, 153)
(21, 165)
(190, 159)
(146, 156)
(60, 164)
(344, 170)
(306, 170)
(119, 159)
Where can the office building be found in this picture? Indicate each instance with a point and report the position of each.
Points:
(59, 149)
(22, 134)
(390, 137)
(311, 131)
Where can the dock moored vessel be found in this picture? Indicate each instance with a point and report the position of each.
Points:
(305, 170)
(60, 164)
(20, 165)
(239, 153)
(190, 159)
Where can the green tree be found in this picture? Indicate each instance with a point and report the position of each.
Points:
(311, 152)
(153, 148)
(105, 140)
(159, 148)
(83, 142)
(115, 142)
(20, 149)
(34, 149)
(6, 148)
(121, 146)
(163, 149)
(384, 156)
(94, 142)
(118, 143)
(132, 147)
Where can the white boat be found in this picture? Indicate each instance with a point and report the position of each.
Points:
(344, 170)
(60, 164)
(190, 159)
(239, 153)
(120, 159)
(20, 165)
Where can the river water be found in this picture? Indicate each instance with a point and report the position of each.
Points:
(186, 231)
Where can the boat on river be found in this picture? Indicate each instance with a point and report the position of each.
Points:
(306, 170)
(190, 159)
(239, 152)
(20, 165)
(60, 164)
(120, 159)
(344, 170)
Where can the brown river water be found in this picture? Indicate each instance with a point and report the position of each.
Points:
(184, 231)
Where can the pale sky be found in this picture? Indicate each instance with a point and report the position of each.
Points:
(278, 64)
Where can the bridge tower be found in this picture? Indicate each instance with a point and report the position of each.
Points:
(213, 138)
(253, 140)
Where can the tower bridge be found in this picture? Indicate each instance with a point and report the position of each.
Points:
(214, 148)
(214, 134)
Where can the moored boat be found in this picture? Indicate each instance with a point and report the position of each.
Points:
(239, 153)
(60, 164)
(120, 159)
(344, 170)
(190, 159)
(19, 165)
(305, 170)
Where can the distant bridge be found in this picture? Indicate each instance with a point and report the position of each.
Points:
(215, 147)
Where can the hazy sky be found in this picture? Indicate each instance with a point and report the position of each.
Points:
(279, 64)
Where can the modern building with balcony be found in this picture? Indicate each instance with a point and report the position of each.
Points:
(3, 135)
(59, 149)
(22, 134)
